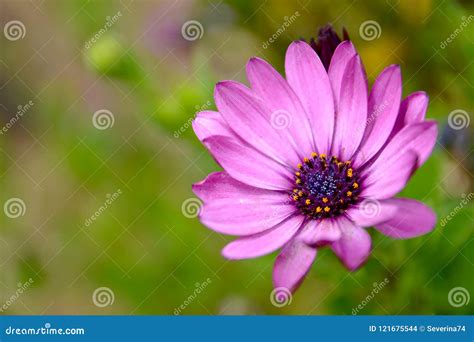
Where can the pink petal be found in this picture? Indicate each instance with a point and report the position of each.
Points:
(354, 246)
(412, 110)
(389, 174)
(351, 115)
(288, 115)
(384, 103)
(407, 151)
(209, 123)
(318, 233)
(263, 243)
(308, 78)
(412, 219)
(248, 165)
(231, 207)
(371, 212)
(292, 264)
(342, 55)
(251, 120)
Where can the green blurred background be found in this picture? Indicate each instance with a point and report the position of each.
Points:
(152, 80)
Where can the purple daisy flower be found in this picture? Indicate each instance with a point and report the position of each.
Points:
(313, 160)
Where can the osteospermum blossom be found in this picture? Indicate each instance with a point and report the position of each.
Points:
(313, 160)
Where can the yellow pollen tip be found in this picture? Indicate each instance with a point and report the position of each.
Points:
(299, 166)
(298, 181)
(308, 201)
(319, 209)
(306, 160)
(295, 190)
(323, 156)
(297, 174)
(349, 172)
(355, 185)
(300, 193)
(325, 199)
(314, 154)
(326, 209)
(295, 197)
(349, 193)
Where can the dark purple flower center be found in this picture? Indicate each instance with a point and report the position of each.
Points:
(325, 187)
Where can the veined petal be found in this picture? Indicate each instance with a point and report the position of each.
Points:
(354, 246)
(250, 119)
(412, 219)
(412, 110)
(209, 123)
(342, 55)
(263, 243)
(384, 103)
(317, 233)
(247, 165)
(371, 212)
(388, 176)
(308, 78)
(288, 115)
(351, 114)
(235, 208)
(292, 264)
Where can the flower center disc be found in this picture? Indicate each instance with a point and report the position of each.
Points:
(324, 188)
